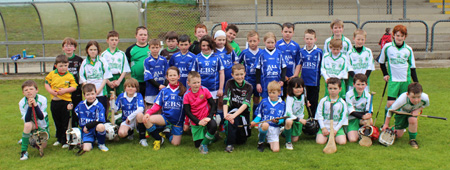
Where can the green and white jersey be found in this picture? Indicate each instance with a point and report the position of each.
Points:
(355, 103)
(117, 61)
(361, 62)
(295, 107)
(346, 44)
(404, 104)
(399, 61)
(335, 66)
(95, 72)
(42, 103)
(339, 113)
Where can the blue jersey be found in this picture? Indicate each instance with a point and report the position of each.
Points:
(267, 110)
(183, 63)
(291, 55)
(172, 105)
(228, 62)
(86, 114)
(310, 62)
(271, 64)
(130, 105)
(248, 59)
(208, 68)
(154, 69)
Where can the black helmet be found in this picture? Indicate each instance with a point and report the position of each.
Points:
(311, 127)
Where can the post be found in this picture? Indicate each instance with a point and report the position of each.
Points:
(443, 6)
(404, 9)
(207, 10)
(145, 14)
(256, 15)
(357, 2)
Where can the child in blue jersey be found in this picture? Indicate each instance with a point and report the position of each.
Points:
(290, 51)
(183, 60)
(269, 109)
(270, 66)
(248, 59)
(309, 65)
(91, 114)
(132, 104)
(170, 101)
(155, 67)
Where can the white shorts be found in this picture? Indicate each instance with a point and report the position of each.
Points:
(214, 94)
(132, 124)
(273, 134)
(150, 99)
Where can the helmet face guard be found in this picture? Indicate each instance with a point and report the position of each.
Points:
(38, 137)
(311, 127)
(369, 131)
(387, 137)
(73, 136)
(111, 131)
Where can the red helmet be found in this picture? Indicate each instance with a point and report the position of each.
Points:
(370, 131)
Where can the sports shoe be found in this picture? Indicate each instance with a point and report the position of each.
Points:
(229, 148)
(143, 142)
(157, 144)
(19, 142)
(103, 147)
(162, 134)
(56, 143)
(414, 144)
(24, 155)
(131, 137)
(261, 146)
(289, 146)
(203, 149)
(65, 146)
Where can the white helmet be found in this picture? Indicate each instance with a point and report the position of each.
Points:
(73, 136)
(387, 137)
(111, 131)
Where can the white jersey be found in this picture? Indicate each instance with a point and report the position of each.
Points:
(359, 104)
(404, 104)
(346, 44)
(399, 61)
(335, 66)
(117, 61)
(42, 103)
(339, 113)
(95, 72)
(361, 62)
(295, 107)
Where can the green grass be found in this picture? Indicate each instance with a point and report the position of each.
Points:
(433, 138)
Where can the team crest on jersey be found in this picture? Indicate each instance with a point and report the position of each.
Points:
(201, 96)
(244, 93)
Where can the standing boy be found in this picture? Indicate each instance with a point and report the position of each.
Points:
(269, 109)
(339, 114)
(60, 83)
(310, 64)
(231, 32)
(136, 54)
(199, 31)
(117, 62)
(183, 59)
(358, 100)
(171, 39)
(337, 27)
(155, 67)
(236, 108)
(335, 64)
(360, 58)
(30, 119)
(413, 101)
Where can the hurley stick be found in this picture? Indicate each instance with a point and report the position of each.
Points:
(331, 145)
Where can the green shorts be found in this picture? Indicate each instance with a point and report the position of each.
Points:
(395, 89)
(401, 121)
(119, 89)
(353, 125)
(297, 128)
(339, 132)
(198, 132)
(343, 90)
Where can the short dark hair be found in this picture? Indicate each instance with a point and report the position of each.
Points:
(288, 25)
(69, 41)
(334, 80)
(112, 34)
(415, 88)
(171, 35)
(61, 59)
(295, 82)
(210, 42)
(88, 88)
(184, 38)
(361, 77)
(310, 31)
(29, 83)
(233, 27)
(141, 28)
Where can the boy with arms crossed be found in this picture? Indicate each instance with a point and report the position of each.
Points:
(339, 114)
(172, 43)
(358, 100)
(236, 108)
(413, 101)
(39, 102)
(335, 64)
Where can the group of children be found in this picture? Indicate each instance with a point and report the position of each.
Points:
(208, 85)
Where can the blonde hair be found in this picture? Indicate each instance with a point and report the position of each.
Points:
(252, 33)
(336, 43)
(359, 32)
(270, 35)
(337, 22)
(193, 74)
(131, 82)
(274, 86)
